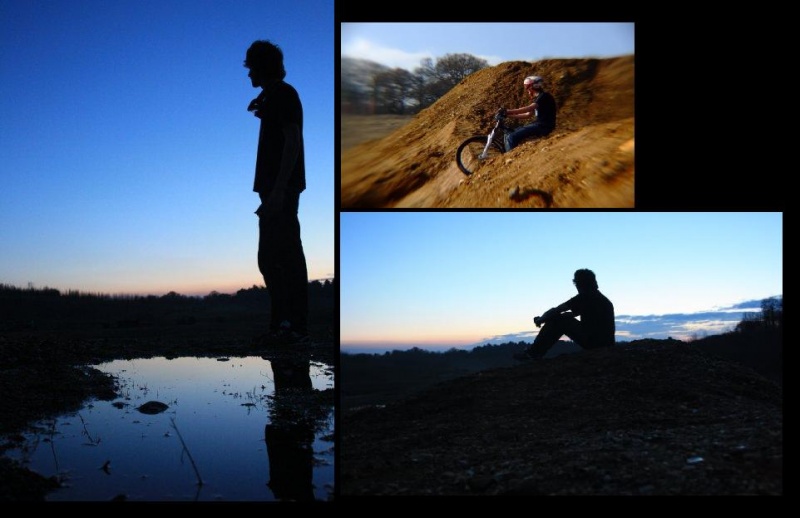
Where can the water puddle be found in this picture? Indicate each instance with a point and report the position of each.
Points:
(235, 429)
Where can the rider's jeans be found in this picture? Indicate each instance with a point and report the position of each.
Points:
(534, 129)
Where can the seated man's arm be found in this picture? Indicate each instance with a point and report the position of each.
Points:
(561, 308)
(521, 113)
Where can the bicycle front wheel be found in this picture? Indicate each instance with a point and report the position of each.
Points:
(468, 155)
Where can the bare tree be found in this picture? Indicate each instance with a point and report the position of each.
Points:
(433, 80)
(424, 79)
(453, 68)
(771, 317)
(392, 89)
(772, 312)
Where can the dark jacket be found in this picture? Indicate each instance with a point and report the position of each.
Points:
(597, 316)
(279, 105)
(546, 110)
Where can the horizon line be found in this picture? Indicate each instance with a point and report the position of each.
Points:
(194, 293)
(680, 326)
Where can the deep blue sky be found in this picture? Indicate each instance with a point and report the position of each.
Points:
(461, 278)
(127, 153)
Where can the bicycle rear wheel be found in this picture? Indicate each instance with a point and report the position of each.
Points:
(468, 154)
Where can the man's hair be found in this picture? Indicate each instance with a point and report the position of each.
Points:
(585, 278)
(266, 58)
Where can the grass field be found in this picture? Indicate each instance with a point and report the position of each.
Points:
(361, 128)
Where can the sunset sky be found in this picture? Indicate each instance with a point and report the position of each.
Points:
(126, 151)
(461, 278)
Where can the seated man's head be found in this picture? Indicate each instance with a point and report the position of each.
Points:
(584, 280)
(533, 84)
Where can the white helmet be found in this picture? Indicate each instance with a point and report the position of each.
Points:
(536, 81)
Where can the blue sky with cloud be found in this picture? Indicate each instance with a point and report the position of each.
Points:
(444, 279)
(404, 45)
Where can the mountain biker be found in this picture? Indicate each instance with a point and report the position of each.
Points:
(595, 329)
(543, 105)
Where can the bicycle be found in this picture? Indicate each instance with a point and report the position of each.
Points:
(476, 150)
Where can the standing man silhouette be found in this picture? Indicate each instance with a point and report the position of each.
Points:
(279, 180)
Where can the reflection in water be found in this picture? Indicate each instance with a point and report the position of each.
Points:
(290, 434)
(216, 409)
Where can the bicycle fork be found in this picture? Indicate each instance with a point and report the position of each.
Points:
(488, 143)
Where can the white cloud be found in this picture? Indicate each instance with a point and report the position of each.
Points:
(394, 58)
(362, 48)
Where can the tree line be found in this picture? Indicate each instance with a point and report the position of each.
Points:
(770, 317)
(382, 90)
(32, 308)
(11, 292)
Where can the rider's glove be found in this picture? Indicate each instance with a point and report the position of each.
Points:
(501, 113)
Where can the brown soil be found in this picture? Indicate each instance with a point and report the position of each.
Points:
(647, 419)
(588, 161)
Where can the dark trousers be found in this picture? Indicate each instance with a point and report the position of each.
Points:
(534, 129)
(283, 264)
(554, 329)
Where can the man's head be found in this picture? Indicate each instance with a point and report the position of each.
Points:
(533, 83)
(264, 59)
(584, 280)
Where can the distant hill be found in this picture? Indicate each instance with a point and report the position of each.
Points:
(656, 417)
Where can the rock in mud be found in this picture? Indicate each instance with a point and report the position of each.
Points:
(152, 407)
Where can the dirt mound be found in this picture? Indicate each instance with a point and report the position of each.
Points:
(647, 419)
(588, 161)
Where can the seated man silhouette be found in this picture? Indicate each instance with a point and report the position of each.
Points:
(595, 328)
